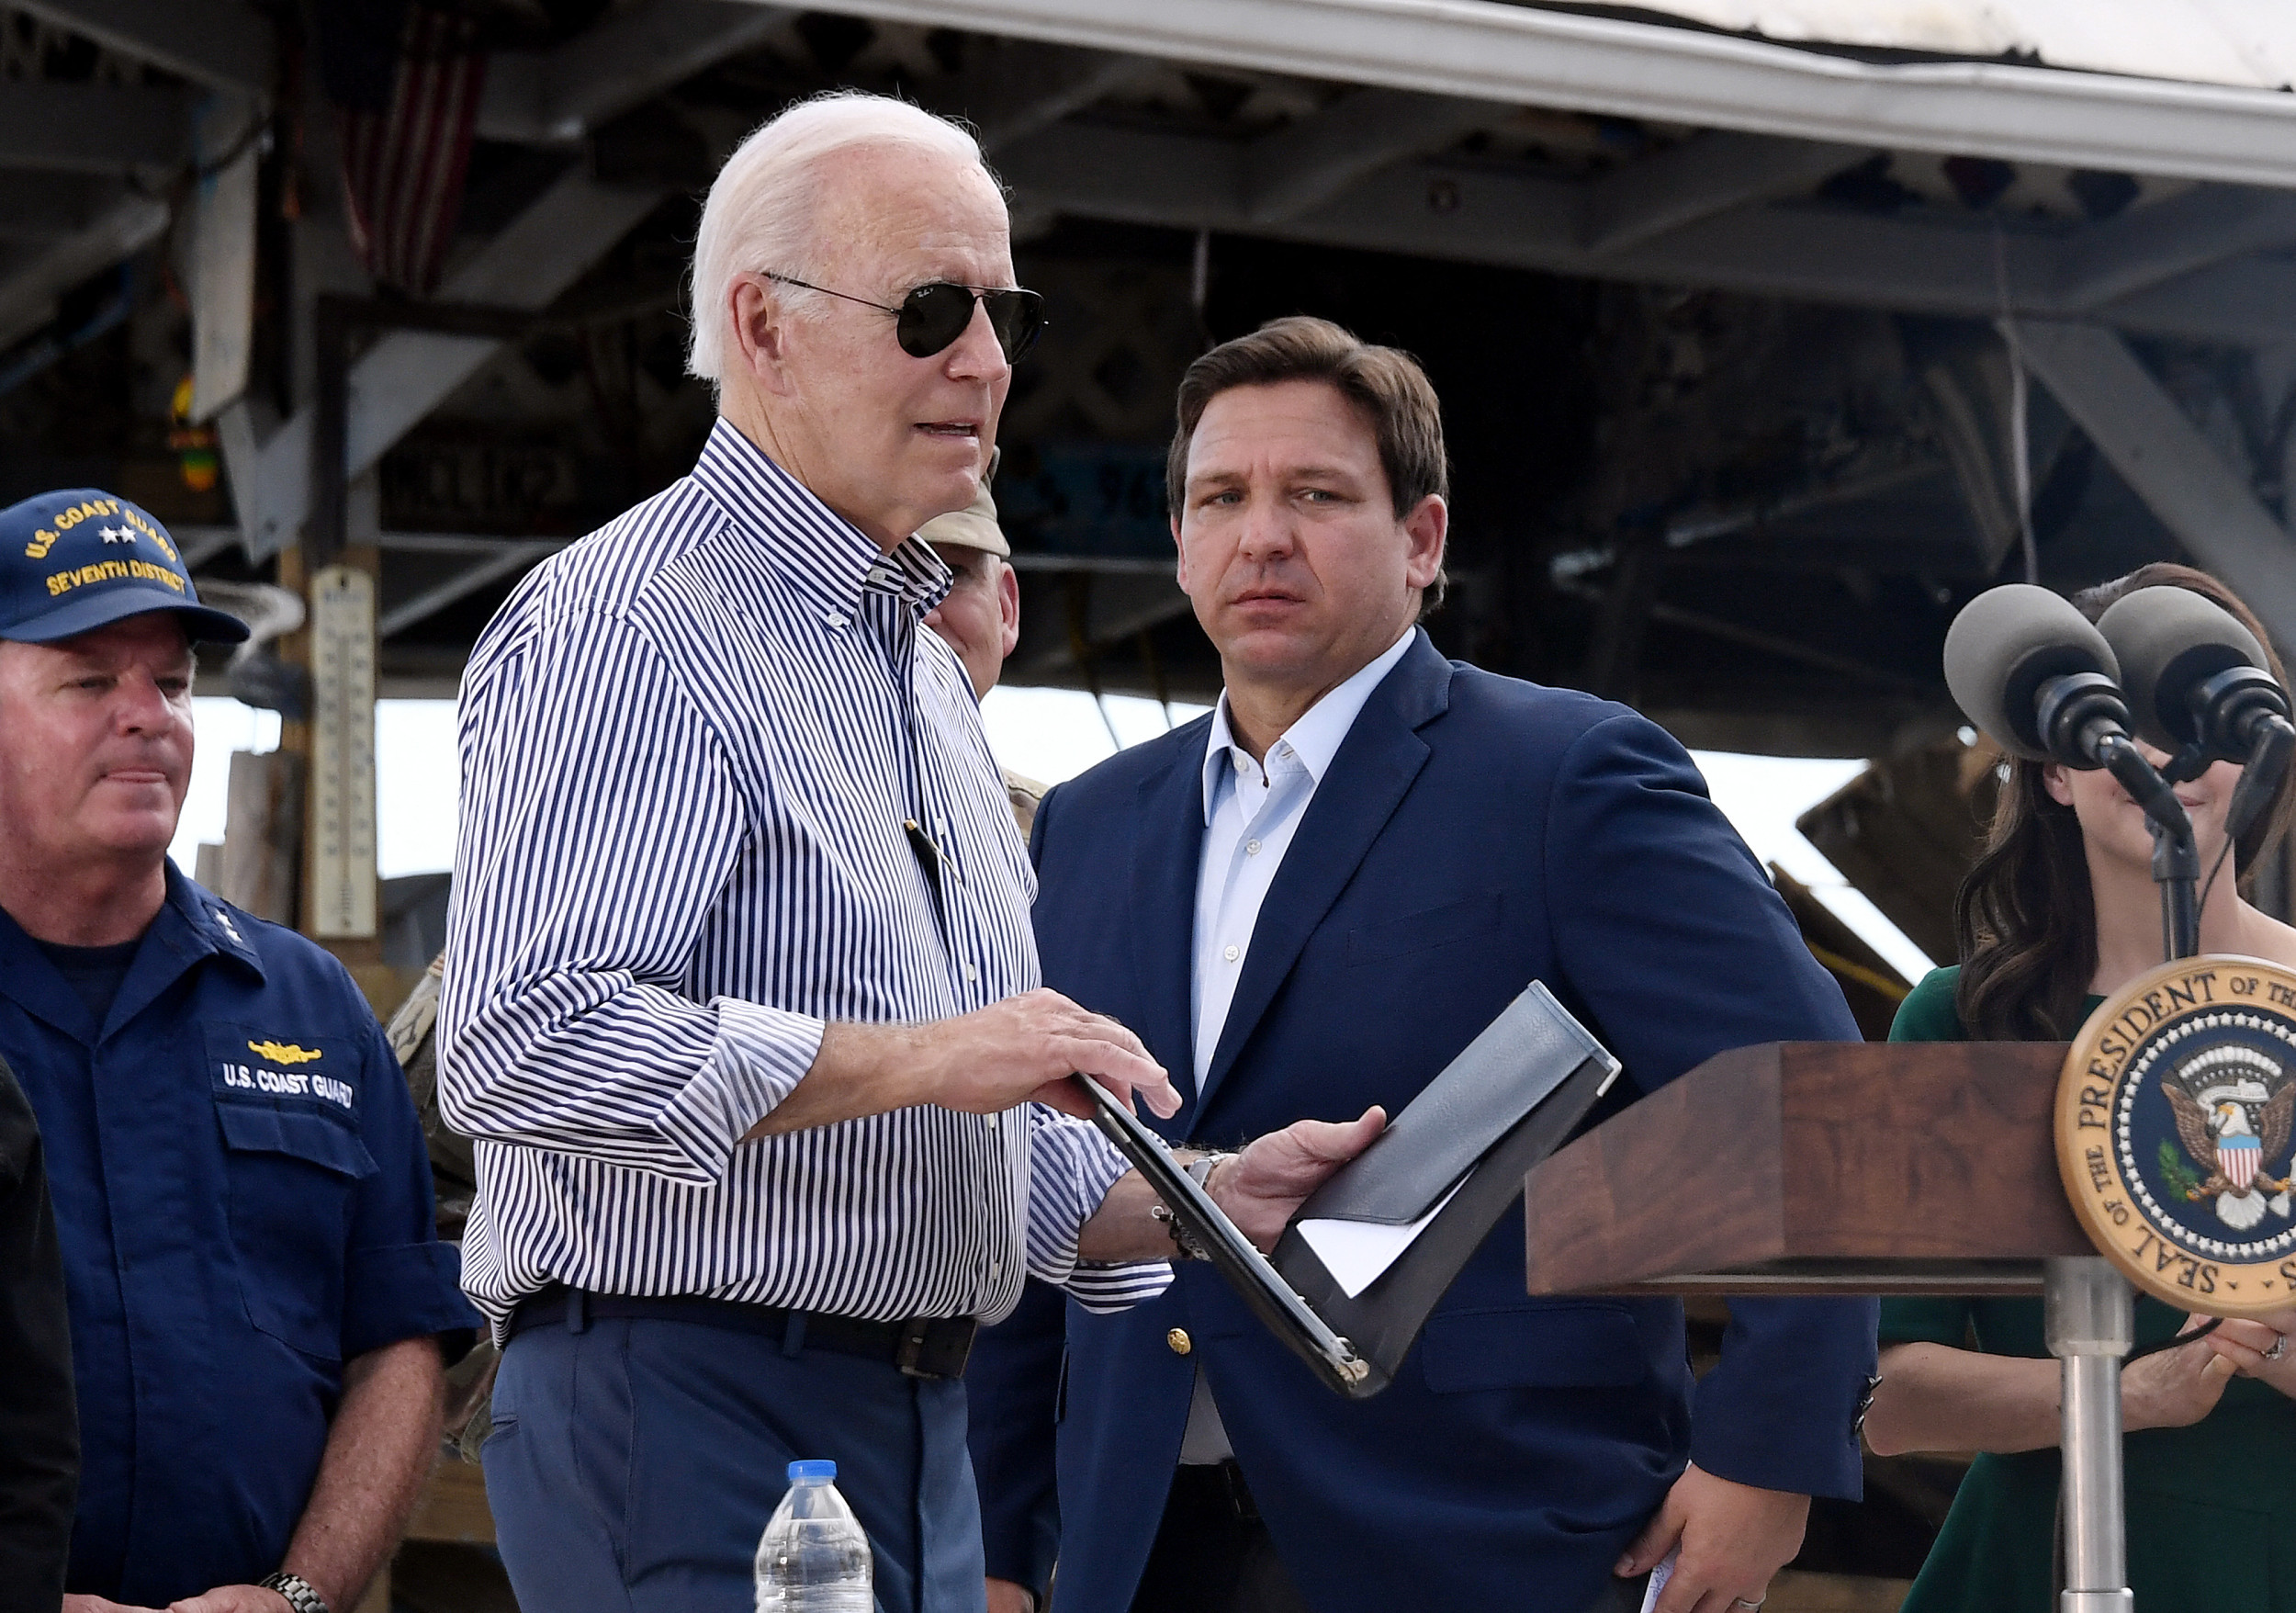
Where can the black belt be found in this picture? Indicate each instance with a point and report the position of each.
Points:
(923, 1347)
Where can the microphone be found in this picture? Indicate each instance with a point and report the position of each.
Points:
(2043, 680)
(2196, 677)
(2038, 677)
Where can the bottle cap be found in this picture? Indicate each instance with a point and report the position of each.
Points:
(824, 1471)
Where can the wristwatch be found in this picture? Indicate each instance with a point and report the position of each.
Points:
(297, 1592)
(1199, 1171)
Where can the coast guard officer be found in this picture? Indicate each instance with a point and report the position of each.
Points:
(255, 1288)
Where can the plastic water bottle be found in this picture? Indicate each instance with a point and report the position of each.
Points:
(814, 1555)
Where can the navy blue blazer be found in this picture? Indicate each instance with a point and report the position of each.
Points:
(1474, 833)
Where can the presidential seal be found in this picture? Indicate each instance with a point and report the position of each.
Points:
(2174, 1133)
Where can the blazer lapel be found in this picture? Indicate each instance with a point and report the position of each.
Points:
(1164, 857)
(1375, 766)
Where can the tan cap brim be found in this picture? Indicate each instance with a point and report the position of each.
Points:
(973, 527)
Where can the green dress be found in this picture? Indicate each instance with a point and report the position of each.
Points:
(2212, 1508)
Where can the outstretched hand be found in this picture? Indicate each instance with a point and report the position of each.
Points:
(1026, 1046)
(1262, 1187)
(1258, 1189)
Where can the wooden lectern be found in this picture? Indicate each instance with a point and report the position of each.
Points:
(1816, 1167)
(1812, 1167)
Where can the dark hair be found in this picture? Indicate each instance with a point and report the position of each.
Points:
(1385, 384)
(2024, 917)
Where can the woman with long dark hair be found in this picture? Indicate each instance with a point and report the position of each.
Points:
(2059, 912)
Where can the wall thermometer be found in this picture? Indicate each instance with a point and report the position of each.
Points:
(343, 754)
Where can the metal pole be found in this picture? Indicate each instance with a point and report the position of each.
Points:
(2090, 1323)
(2177, 870)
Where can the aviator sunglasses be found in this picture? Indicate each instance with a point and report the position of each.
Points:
(931, 318)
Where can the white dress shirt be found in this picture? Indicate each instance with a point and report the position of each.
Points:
(690, 745)
(1251, 812)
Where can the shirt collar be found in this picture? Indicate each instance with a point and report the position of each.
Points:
(217, 926)
(825, 557)
(1316, 738)
(191, 925)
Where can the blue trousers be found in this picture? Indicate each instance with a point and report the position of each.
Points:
(633, 1464)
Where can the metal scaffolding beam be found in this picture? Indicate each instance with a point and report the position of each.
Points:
(557, 96)
(215, 43)
(1688, 225)
(407, 374)
(2160, 453)
(29, 286)
(1295, 169)
(92, 128)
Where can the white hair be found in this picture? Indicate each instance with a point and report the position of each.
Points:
(759, 214)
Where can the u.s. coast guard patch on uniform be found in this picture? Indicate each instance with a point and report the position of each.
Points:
(2174, 1133)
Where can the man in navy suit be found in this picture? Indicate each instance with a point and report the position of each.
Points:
(1335, 882)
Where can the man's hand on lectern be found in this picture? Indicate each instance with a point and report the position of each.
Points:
(1732, 1537)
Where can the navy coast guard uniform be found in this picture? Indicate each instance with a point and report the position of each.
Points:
(243, 1205)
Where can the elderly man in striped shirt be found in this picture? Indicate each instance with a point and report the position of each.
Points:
(740, 997)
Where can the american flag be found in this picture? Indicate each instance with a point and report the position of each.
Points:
(406, 144)
(2237, 1158)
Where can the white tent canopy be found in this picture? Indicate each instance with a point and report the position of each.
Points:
(2250, 43)
(2198, 114)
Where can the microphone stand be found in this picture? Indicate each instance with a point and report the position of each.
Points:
(2084, 721)
(2088, 1308)
(2176, 857)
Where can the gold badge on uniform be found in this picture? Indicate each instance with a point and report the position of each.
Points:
(2174, 1133)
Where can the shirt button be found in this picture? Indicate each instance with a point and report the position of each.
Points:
(1230, 953)
(1250, 848)
(996, 1268)
(971, 973)
(1179, 1341)
(833, 620)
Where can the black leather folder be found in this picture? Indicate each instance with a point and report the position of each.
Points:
(1455, 1157)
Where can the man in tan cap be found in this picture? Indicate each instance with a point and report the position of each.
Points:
(980, 616)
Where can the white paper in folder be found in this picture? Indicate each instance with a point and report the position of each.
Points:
(1356, 1252)
(1658, 1576)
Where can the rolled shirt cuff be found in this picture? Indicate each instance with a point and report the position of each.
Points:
(1071, 1169)
(758, 1058)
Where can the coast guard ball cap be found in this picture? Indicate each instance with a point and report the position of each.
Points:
(80, 558)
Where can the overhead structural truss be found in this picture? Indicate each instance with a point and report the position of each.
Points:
(1480, 50)
(2159, 452)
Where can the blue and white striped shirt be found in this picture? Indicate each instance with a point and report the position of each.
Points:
(688, 745)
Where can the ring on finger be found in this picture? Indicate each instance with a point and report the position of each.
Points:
(2279, 1347)
(1750, 1607)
